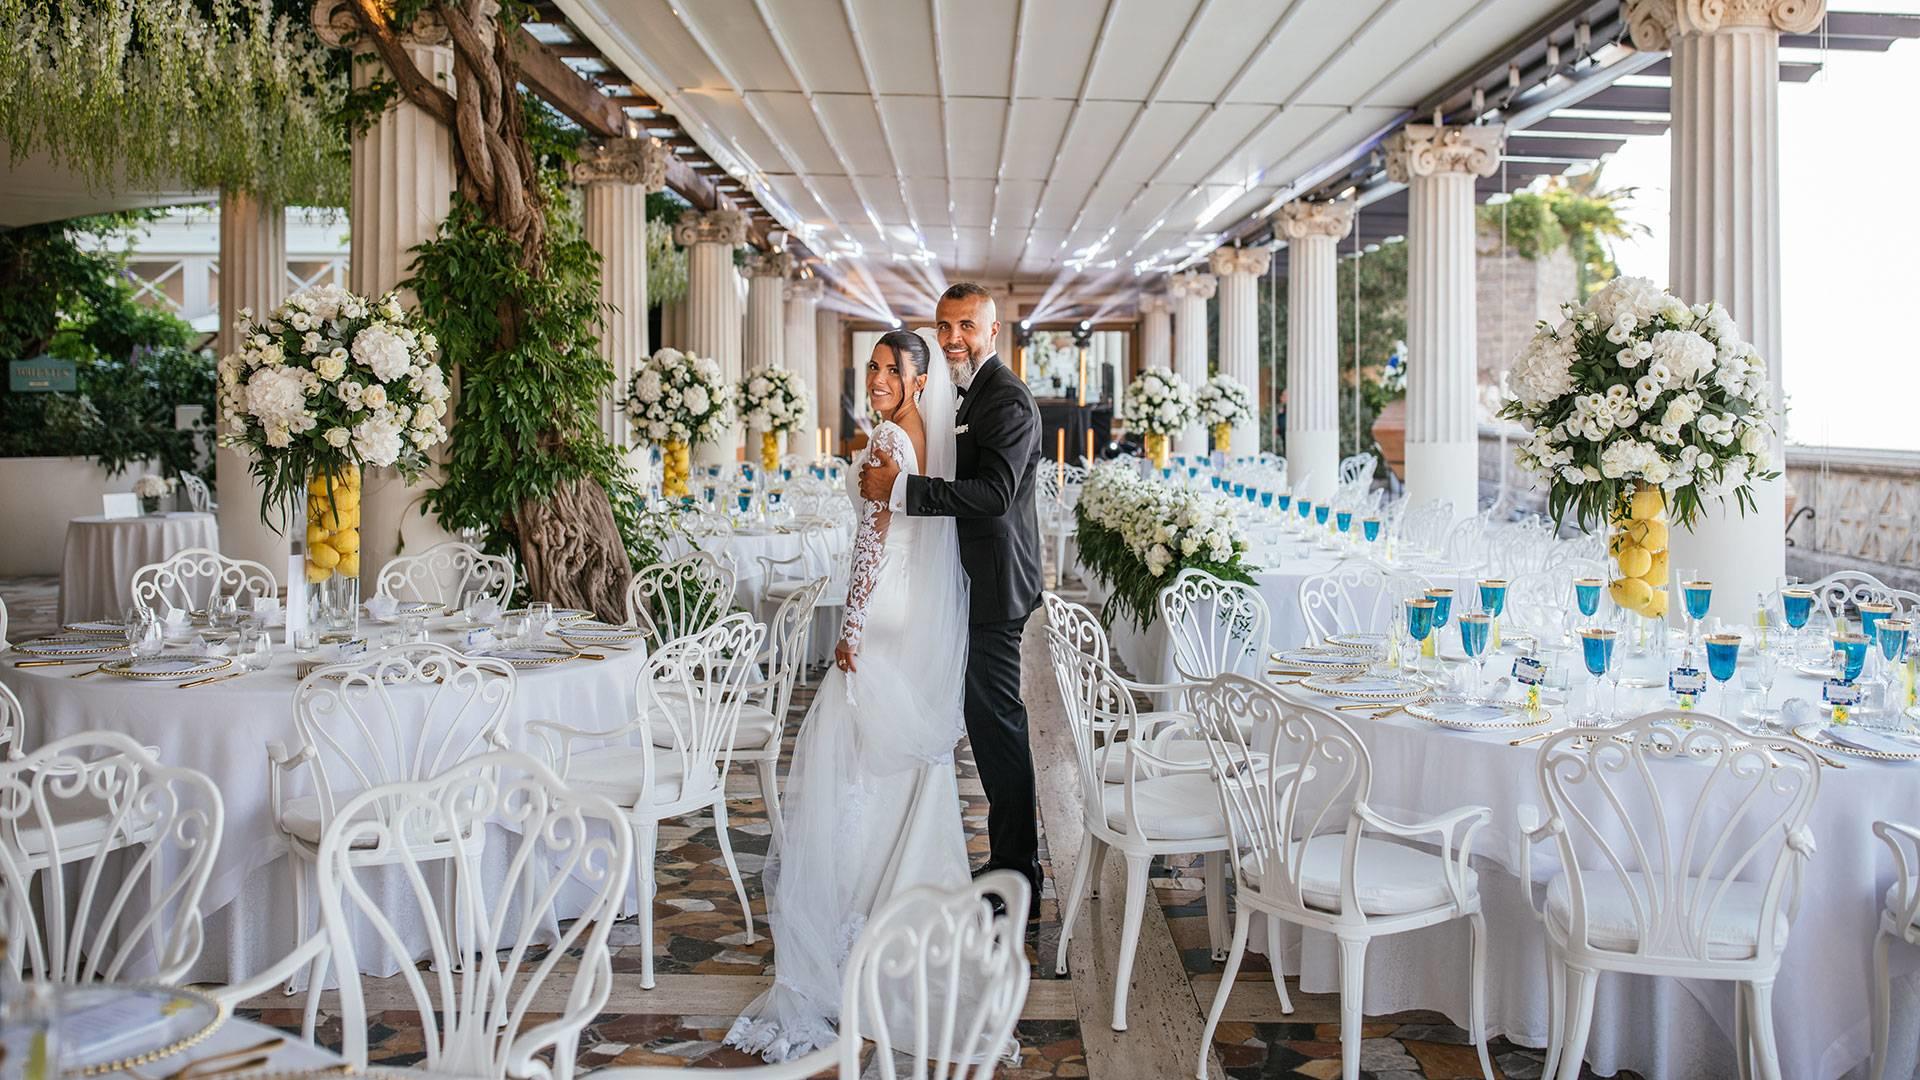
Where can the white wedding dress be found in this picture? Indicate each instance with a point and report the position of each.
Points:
(872, 803)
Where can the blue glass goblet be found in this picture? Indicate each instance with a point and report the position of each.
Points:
(1370, 528)
(1586, 594)
(1723, 656)
(1343, 520)
(1473, 640)
(1285, 501)
(1320, 513)
(1853, 654)
(1596, 650)
(1266, 500)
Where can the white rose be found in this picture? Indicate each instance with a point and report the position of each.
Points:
(329, 368)
(339, 437)
(374, 397)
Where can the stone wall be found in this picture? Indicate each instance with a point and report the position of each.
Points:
(1865, 513)
(1511, 295)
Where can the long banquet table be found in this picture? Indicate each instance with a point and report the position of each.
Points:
(1656, 1027)
(223, 729)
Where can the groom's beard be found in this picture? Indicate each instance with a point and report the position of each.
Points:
(963, 372)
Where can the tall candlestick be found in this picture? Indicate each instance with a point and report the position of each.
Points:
(1089, 458)
(1060, 450)
(1083, 376)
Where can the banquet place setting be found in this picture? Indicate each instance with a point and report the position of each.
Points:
(1030, 539)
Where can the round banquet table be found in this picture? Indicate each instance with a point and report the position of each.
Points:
(96, 576)
(223, 729)
(1655, 1027)
(745, 548)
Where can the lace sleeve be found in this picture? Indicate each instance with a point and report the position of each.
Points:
(869, 544)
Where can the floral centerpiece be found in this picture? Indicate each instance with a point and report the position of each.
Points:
(1222, 403)
(151, 489)
(677, 399)
(1136, 535)
(773, 400)
(1157, 404)
(1641, 409)
(327, 384)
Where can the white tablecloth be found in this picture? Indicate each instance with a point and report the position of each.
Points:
(746, 548)
(223, 730)
(1656, 1027)
(102, 554)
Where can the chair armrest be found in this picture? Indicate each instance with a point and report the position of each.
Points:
(559, 738)
(236, 994)
(1456, 863)
(1533, 832)
(279, 762)
(1904, 842)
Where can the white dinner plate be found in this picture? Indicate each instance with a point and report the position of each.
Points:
(1477, 716)
(97, 628)
(532, 655)
(404, 608)
(560, 614)
(1860, 741)
(159, 668)
(1358, 643)
(70, 645)
(592, 630)
(1321, 661)
(1382, 688)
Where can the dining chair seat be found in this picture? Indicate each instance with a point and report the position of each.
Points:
(1389, 878)
(757, 725)
(835, 594)
(79, 823)
(1181, 806)
(614, 772)
(301, 818)
(1613, 924)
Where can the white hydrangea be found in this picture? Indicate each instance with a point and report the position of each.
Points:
(385, 352)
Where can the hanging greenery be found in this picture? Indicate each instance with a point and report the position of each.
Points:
(666, 261)
(170, 93)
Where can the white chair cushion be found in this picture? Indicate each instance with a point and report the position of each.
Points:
(614, 771)
(1612, 924)
(1184, 751)
(757, 728)
(80, 823)
(1183, 806)
(1388, 878)
(300, 817)
(1893, 896)
(834, 595)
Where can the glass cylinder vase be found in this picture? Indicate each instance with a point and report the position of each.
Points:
(332, 557)
(675, 468)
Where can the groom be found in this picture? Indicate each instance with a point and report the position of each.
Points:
(997, 456)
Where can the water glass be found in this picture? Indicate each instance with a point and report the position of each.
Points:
(146, 635)
(1284, 501)
(1320, 512)
(1370, 529)
(1305, 506)
(1723, 656)
(1766, 669)
(1420, 611)
(1473, 640)
(1597, 651)
(513, 630)
(223, 610)
(1586, 594)
(306, 642)
(415, 628)
(539, 618)
(1343, 520)
(255, 652)
(1442, 605)
(1850, 654)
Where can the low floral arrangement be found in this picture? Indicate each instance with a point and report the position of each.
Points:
(773, 400)
(1223, 402)
(327, 384)
(1157, 404)
(1136, 535)
(677, 399)
(1642, 408)
(153, 487)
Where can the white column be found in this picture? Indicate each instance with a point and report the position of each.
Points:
(765, 329)
(802, 332)
(402, 177)
(1726, 233)
(253, 275)
(1156, 331)
(1238, 270)
(1190, 292)
(1313, 231)
(673, 321)
(1439, 166)
(713, 319)
(615, 177)
(830, 356)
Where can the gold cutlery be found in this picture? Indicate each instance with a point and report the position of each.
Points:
(209, 680)
(84, 674)
(1533, 738)
(1386, 713)
(1281, 671)
(588, 656)
(229, 1063)
(50, 663)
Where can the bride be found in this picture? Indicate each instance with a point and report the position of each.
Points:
(872, 803)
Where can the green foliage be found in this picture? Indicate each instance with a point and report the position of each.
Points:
(63, 292)
(160, 93)
(666, 262)
(527, 417)
(1134, 587)
(1569, 212)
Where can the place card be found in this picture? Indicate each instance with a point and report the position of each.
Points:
(480, 637)
(1530, 673)
(1842, 696)
(1686, 683)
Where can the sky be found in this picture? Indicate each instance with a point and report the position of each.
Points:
(1850, 242)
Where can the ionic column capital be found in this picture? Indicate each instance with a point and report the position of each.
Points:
(1236, 260)
(641, 162)
(1155, 304)
(1300, 219)
(1191, 285)
(1436, 149)
(768, 264)
(1656, 23)
(806, 290)
(712, 227)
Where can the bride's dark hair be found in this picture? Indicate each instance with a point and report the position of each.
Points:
(911, 346)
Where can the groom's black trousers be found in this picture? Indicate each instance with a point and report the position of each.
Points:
(997, 728)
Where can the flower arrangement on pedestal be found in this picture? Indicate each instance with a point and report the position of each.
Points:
(1223, 402)
(677, 399)
(327, 384)
(1157, 404)
(151, 489)
(775, 401)
(1641, 408)
(1136, 534)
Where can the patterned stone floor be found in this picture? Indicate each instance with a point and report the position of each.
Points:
(708, 971)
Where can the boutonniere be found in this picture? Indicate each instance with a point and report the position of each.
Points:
(961, 430)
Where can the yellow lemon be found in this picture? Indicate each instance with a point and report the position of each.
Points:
(350, 479)
(1647, 504)
(317, 486)
(1656, 574)
(317, 574)
(1630, 593)
(1656, 604)
(1651, 535)
(327, 519)
(1634, 561)
(315, 534)
(345, 541)
(349, 565)
(346, 499)
(323, 555)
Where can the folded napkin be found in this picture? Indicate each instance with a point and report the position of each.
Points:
(383, 607)
(177, 618)
(1872, 740)
(486, 611)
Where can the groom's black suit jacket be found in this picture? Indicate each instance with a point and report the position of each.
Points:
(996, 462)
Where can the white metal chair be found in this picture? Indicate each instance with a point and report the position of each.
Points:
(1899, 919)
(122, 846)
(763, 714)
(188, 579)
(445, 573)
(480, 1002)
(1310, 850)
(696, 686)
(199, 498)
(12, 716)
(675, 599)
(1357, 596)
(1215, 626)
(1681, 844)
(1422, 529)
(4, 643)
(396, 716)
(1158, 806)
(900, 990)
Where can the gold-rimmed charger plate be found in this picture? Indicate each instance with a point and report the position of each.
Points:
(66, 646)
(1814, 733)
(596, 632)
(1385, 689)
(1320, 661)
(95, 628)
(186, 1017)
(560, 614)
(1358, 643)
(532, 655)
(166, 668)
(1477, 716)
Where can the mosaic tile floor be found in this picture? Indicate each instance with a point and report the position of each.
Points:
(702, 944)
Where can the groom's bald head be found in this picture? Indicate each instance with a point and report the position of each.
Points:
(967, 322)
